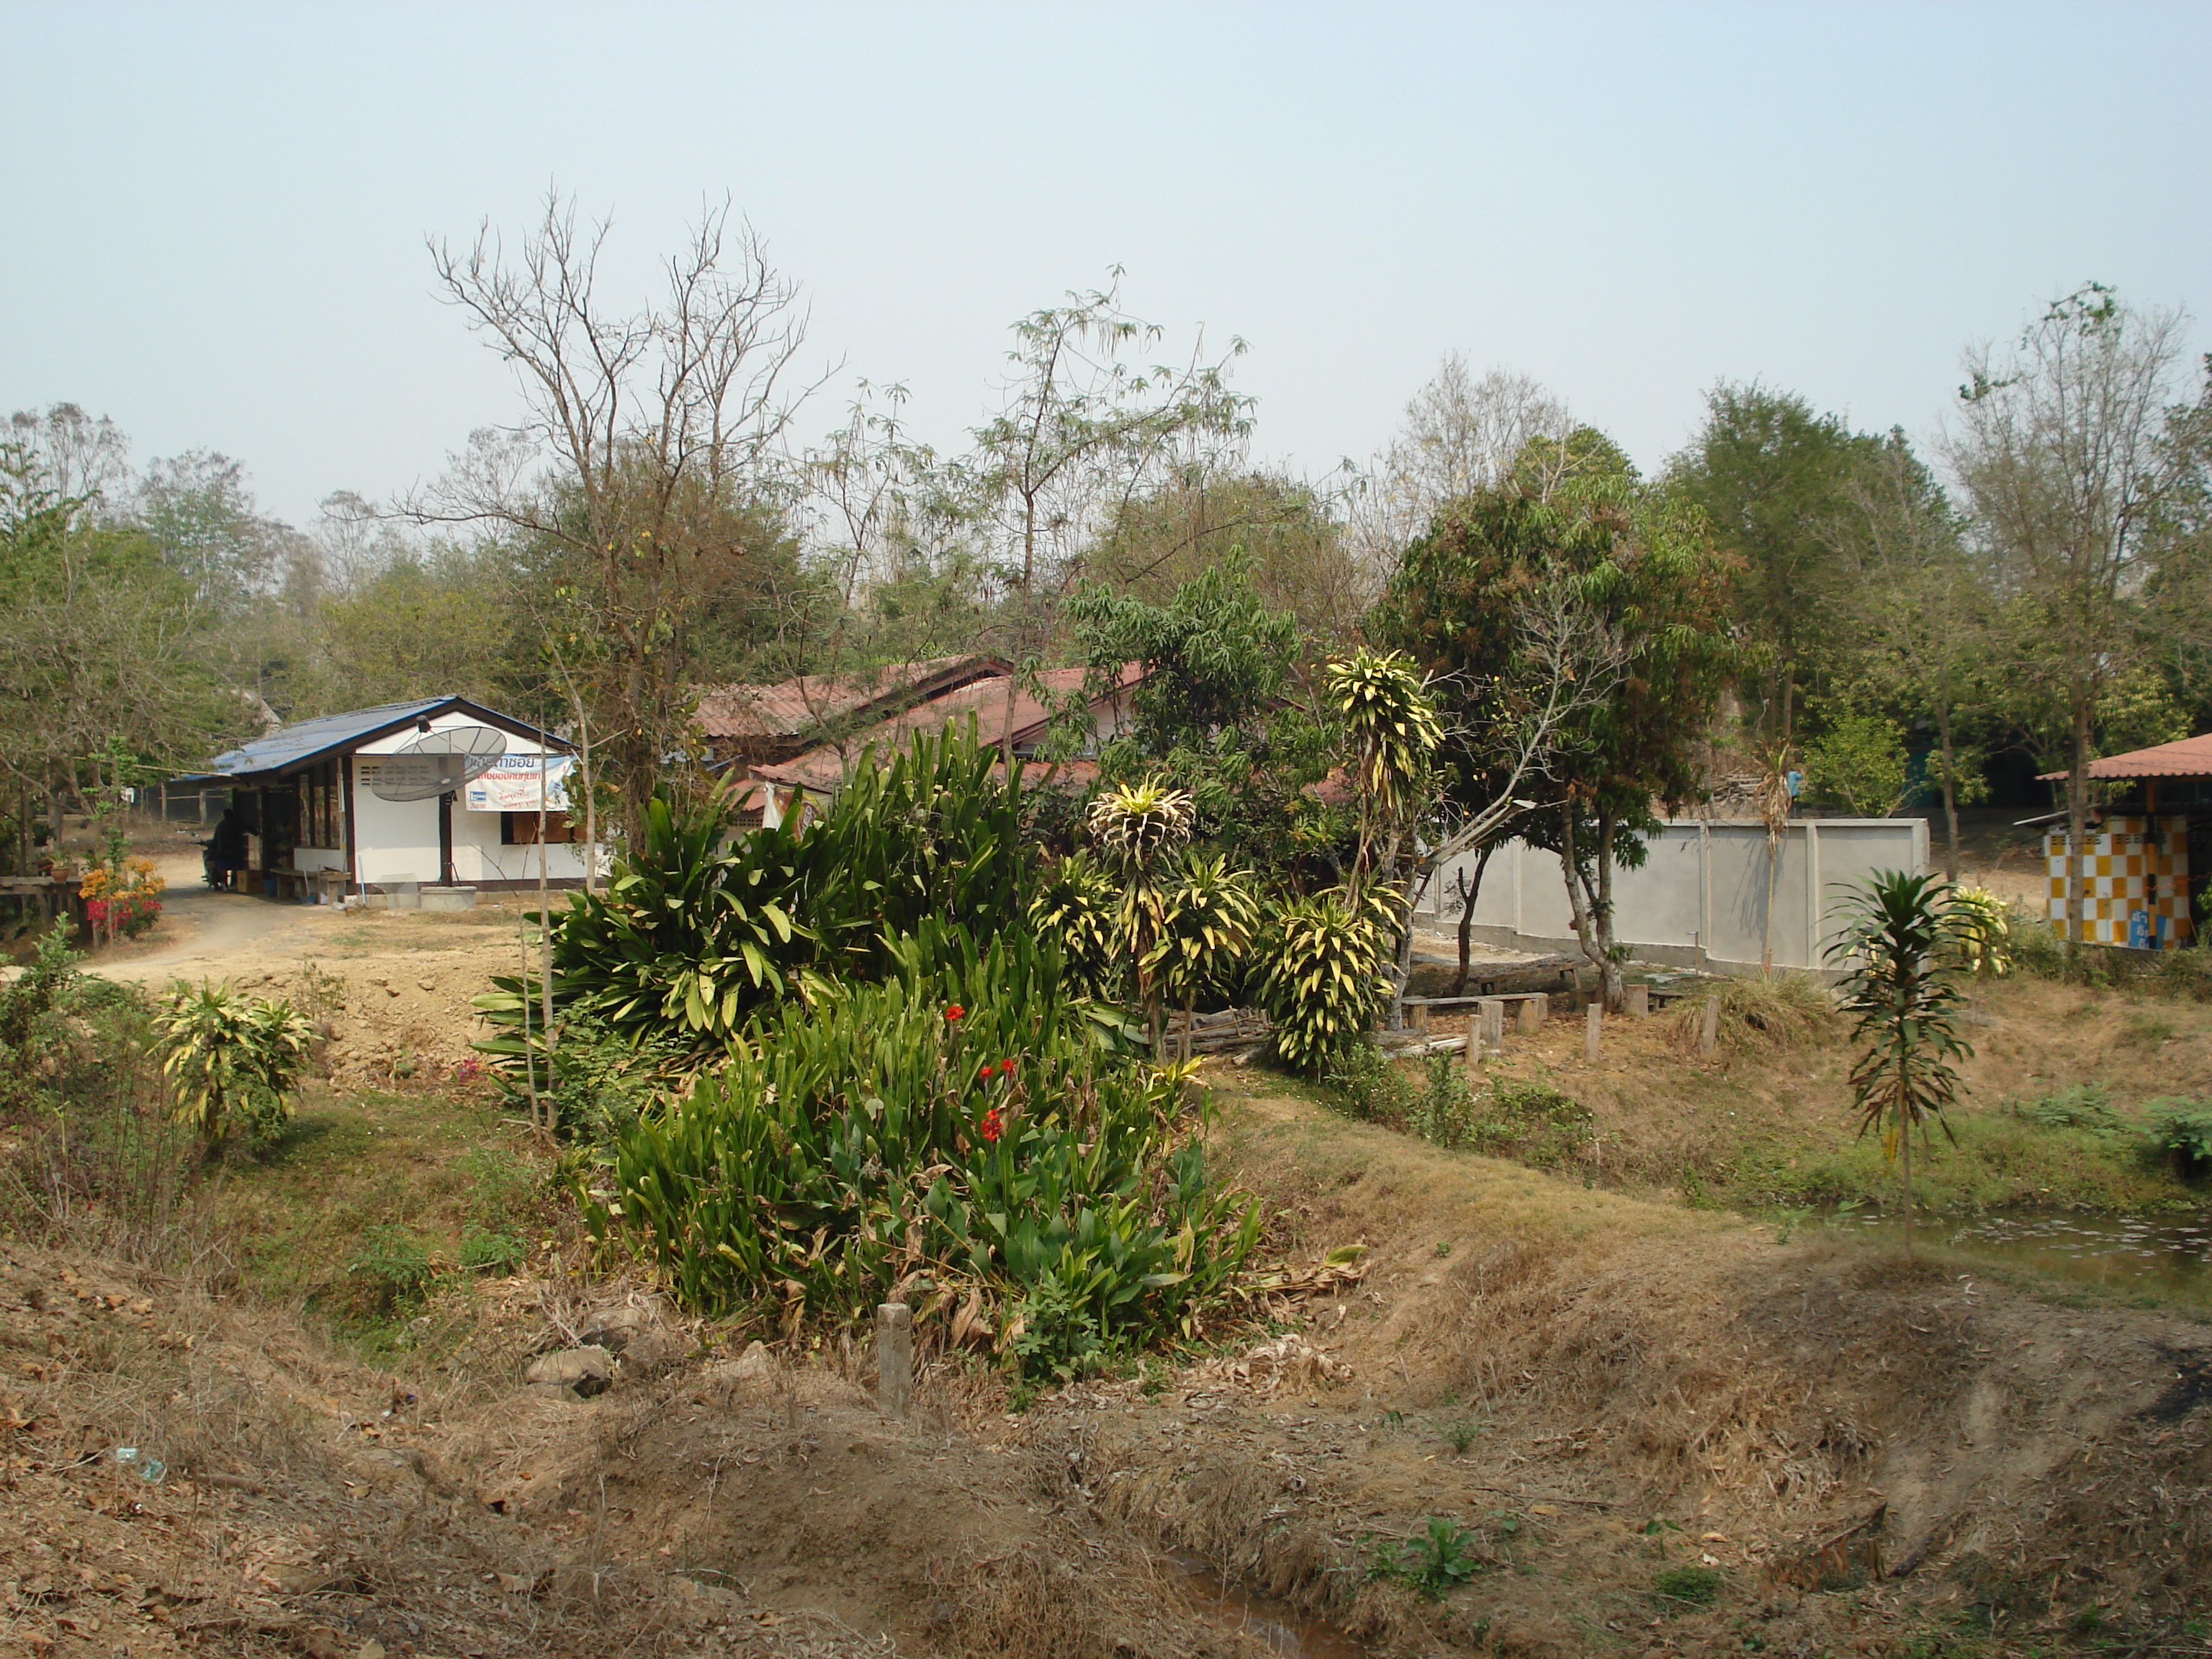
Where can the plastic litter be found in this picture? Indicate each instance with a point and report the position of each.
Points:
(144, 1465)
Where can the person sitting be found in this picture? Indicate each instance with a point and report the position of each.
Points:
(226, 849)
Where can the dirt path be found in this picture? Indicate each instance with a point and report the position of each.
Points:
(205, 933)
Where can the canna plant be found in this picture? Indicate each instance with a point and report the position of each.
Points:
(955, 1135)
(234, 1062)
(1903, 933)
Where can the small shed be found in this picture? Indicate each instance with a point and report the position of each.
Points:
(2148, 854)
(316, 820)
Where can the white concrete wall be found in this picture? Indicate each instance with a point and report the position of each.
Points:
(398, 841)
(1699, 899)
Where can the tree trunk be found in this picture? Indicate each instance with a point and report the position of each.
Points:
(1905, 1111)
(2077, 817)
(1469, 893)
(1616, 995)
(1578, 897)
(1950, 795)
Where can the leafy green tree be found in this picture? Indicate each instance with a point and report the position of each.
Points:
(1217, 709)
(1902, 934)
(1770, 474)
(1921, 627)
(1287, 532)
(1859, 763)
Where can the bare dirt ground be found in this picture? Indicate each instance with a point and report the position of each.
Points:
(1866, 1453)
(1862, 1454)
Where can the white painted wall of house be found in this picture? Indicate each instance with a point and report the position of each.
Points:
(398, 841)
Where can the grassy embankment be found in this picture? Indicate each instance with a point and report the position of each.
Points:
(2059, 1098)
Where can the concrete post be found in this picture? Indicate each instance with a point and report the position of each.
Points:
(1533, 1011)
(1639, 1000)
(894, 1359)
(1593, 1021)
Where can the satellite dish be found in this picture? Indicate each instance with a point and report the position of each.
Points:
(438, 763)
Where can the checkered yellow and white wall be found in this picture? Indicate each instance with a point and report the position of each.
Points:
(2133, 868)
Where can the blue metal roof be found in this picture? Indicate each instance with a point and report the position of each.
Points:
(304, 741)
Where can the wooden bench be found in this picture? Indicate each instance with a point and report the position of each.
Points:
(1534, 1006)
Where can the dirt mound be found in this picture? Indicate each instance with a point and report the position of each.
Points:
(187, 1475)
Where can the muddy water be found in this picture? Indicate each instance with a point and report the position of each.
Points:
(2169, 1257)
(1277, 1624)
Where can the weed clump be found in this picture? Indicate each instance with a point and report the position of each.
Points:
(2079, 1106)
(1689, 1587)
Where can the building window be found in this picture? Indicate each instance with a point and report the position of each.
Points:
(520, 828)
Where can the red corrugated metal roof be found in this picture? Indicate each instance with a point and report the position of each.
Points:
(790, 707)
(823, 767)
(2192, 757)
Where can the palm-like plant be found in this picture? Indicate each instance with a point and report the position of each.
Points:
(1903, 933)
(1212, 911)
(1137, 825)
(233, 1061)
(1075, 908)
(1321, 977)
(1393, 725)
(1134, 824)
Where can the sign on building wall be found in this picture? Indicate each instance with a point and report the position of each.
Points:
(510, 786)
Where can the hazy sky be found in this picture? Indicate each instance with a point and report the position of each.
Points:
(212, 218)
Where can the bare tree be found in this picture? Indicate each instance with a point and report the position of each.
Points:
(1461, 434)
(647, 437)
(2057, 448)
(1079, 434)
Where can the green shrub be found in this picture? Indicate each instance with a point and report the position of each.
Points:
(2078, 1106)
(959, 1123)
(492, 1250)
(1533, 1123)
(1074, 908)
(48, 980)
(699, 930)
(1443, 1111)
(1322, 979)
(1371, 1088)
(234, 1062)
(390, 1270)
(2182, 1131)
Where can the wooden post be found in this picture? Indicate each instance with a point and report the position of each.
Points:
(1489, 1024)
(894, 1359)
(1592, 1021)
(1639, 1000)
(1709, 1039)
(1418, 1017)
(1533, 1011)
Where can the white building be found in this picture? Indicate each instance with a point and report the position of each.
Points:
(313, 799)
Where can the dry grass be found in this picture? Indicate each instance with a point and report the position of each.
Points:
(1759, 1016)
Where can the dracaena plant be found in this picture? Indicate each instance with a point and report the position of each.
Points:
(1902, 937)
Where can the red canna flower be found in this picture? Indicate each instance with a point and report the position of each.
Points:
(994, 1122)
(956, 1013)
(1007, 1067)
(986, 1075)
